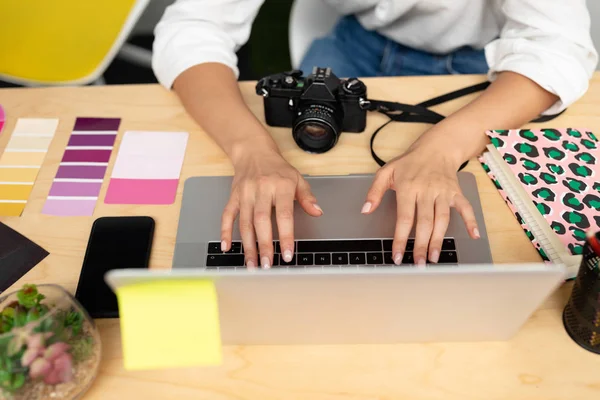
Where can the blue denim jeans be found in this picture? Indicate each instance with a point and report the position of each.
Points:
(352, 51)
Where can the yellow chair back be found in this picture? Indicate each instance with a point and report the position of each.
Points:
(62, 41)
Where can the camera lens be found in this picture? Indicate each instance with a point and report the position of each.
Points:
(316, 128)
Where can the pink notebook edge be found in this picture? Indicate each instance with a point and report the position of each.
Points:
(514, 211)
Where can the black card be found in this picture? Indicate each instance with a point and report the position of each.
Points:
(17, 256)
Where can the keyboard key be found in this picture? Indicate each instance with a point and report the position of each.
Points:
(448, 257)
(275, 260)
(357, 258)
(448, 244)
(323, 259)
(388, 259)
(330, 246)
(408, 259)
(339, 259)
(374, 258)
(305, 259)
(290, 264)
(277, 247)
(215, 248)
(225, 260)
(410, 245)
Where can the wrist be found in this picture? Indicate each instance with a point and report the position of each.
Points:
(252, 146)
(434, 145)
(455, 140)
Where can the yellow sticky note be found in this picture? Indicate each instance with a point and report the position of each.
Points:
(169, 323)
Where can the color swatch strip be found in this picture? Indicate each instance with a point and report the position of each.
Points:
(21, 162)
(78, 180)
(147, 168)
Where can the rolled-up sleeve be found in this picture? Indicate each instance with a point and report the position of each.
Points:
(549, 42)
(193, 32)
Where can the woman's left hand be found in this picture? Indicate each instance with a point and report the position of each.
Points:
(426, 185)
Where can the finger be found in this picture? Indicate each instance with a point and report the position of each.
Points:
(284, 213)
(263, 226)
(247, 231)
(227, 220)
(380, 185)
(307, 199)
(465, 210)
(405, 205)
(425, 204)
(440, 225)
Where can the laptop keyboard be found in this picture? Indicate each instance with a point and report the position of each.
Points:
(329, 253)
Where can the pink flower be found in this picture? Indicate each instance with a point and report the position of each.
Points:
(62, 370)
(39, 368)
(55, 350)
(30, 354)
(38, 340)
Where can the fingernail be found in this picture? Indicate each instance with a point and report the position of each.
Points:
(421, 262)
(476, 233)
(435, 256)
(287, 256)
(366, 207)
(223, 246)
(250, 264)
(266, 264)
(318, 208)
(398, 259)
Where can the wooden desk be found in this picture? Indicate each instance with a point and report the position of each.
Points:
(541, 362)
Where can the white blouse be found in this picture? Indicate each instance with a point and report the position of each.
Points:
(547, 41)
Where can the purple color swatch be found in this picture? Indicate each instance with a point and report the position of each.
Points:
(92, 140)
(92, 152)
(69, 208)
(86, 156)
(97, 124)
(81, 172)
(75, 189)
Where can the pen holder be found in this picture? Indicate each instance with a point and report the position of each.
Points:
(581, 316)
(49, 346)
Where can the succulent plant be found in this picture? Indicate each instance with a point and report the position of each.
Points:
(34, 349)
(29, 297)
(53, 363)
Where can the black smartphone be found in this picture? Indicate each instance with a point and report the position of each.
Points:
(115, 242)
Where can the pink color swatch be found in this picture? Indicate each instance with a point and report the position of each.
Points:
(141, 191)
(2, 118)
(69, 208)
(147, 168)
(75, 189)
(78, 180)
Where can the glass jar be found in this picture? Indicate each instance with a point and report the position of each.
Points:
(49, 346)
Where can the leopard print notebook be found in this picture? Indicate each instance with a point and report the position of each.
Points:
(558, 169)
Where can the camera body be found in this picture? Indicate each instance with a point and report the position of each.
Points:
(317, 107)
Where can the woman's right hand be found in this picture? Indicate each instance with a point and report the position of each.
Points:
(263, 180)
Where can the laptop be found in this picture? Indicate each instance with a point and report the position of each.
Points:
(341, 238)
(337, 300)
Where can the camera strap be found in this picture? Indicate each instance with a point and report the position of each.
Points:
(420, 113)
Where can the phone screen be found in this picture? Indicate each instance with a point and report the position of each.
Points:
(115, 242)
